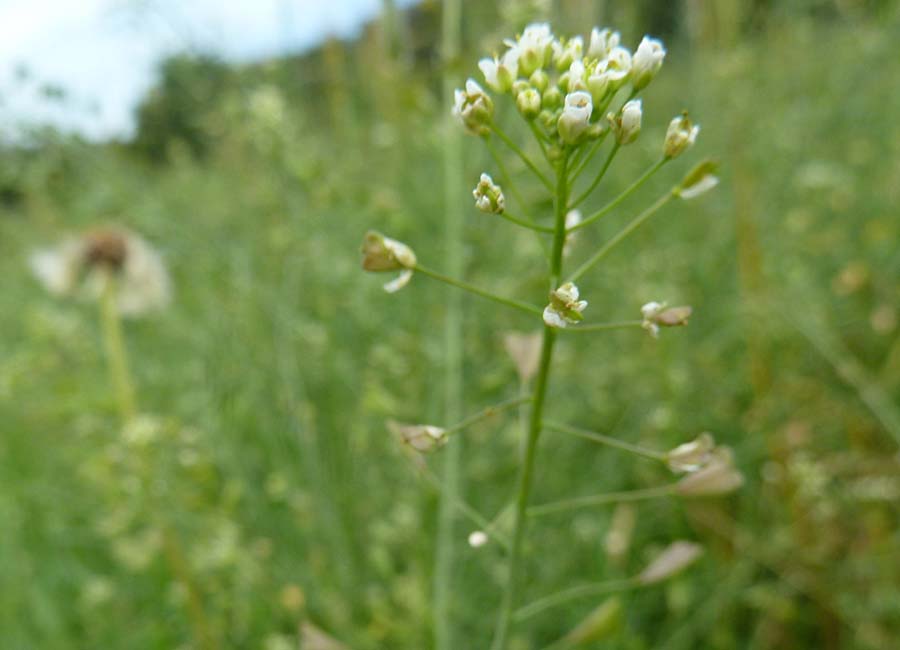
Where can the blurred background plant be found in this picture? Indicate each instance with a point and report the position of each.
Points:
(275, 366)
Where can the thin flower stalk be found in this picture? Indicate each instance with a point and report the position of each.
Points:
(574, 593)
(605, 440)
(604, 327)
(612, 205)
(622, 234)
(601, 500)
(521, 154)
(599, 177)
(488, 412)
(465, 286)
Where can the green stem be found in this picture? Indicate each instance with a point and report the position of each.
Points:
(509, 302)
(540, 137)
(600, 500)
(598, 178)
(622, 234)
(444, 637)
(605, 440)
(598, 327)
(590, 156)
(490, 411)
(525, 159)
(457, 503)
(624, 195)
(574, 593)
(526, 470)
(116, 355)
(506, 179)
(524, 222)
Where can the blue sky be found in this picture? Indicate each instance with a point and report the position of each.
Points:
(104, 52)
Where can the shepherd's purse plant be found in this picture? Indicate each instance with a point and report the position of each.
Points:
(574, 99)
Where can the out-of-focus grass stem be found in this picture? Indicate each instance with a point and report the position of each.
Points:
(453, 382)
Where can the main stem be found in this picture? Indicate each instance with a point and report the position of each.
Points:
(526, 471)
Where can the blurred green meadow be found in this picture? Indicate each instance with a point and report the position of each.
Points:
(258, 501)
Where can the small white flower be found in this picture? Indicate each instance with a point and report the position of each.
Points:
(528, 102)
(718, 476)
(575, 117)
(680, 136)
(500, 73)
(421, 437)
(565, 308)
(602, 42)
(658, 315)
(647, 60)
(535, 47)
(699, 180)
(702, 186)
(627, 124)
(692, 456)
(576, 76)
(564, 53)
(489, 196)
(478, 538)
(474, 108)
(382, 254)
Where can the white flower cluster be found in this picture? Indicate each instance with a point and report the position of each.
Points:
(566, 86)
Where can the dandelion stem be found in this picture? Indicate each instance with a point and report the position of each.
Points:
(490, 411)
(509, 302)
(605, 440)
(574, 593)
(622, 234)
(526, 470)
(597, 178)
(624, 195)
(117, 357)
(525, 159)
(599, 500)
(598, 327)
(525, 223)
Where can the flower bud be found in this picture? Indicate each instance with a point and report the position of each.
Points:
(699, 180)
(658, 315)
(719, 476)
(488, 196)
(381, 254)
(575, 118)
(676, 557)
(474, 108)
(540, 80)
(423, 438)
(575, 77)
(602, 42)
(647, 60)
(501, 73)
(565, 308)
(478, 538)
(529, 103)
(552, 98)
(627, 124)
(564, 52)
(691, 456)
(680, 136)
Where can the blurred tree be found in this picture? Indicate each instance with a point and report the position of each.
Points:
(174, 112)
